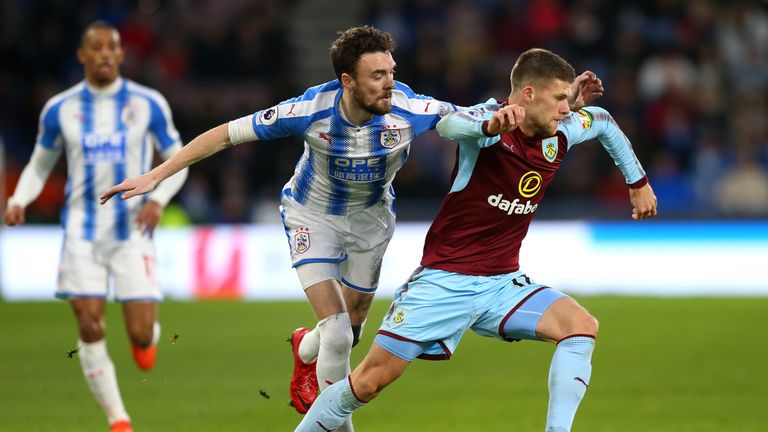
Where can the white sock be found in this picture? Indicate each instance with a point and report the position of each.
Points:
(100, 374)
(155, 333)
(335, 347)
(310, 346)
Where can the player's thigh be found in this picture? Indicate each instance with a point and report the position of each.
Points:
(428, 317)
(312, 237)
(366, 241)
(133, 266)
(82, 271)
(513, 311)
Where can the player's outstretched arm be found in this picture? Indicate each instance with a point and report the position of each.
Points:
(643, 202)
(584, 89)
(473, 124)
(204, 145)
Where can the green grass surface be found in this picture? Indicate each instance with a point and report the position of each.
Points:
(660, 365)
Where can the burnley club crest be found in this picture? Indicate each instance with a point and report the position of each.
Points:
(549, 148)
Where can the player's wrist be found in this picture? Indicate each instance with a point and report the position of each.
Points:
(639, 184)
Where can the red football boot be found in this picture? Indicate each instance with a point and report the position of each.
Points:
(304, 386)
(121, 426)
(144, 357)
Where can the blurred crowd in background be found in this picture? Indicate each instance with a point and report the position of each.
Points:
(687, 81)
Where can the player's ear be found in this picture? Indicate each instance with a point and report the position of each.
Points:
(81, 54)
(529, 94)
(346, 80)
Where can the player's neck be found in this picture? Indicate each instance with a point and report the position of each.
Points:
(352, 111)
(526, 129)
(101, 85)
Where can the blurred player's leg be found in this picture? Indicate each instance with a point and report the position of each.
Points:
(574, 330)
(143, 331)
(97, 367)
(132, 264)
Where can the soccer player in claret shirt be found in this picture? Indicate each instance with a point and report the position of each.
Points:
(107, 125)
(470, 277)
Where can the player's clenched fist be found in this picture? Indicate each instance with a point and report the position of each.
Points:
(506, 119)
(14, 215)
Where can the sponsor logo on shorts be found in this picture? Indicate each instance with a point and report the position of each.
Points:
(301, 240)
(268, 116)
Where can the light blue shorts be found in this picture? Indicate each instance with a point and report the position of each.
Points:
(431, 312)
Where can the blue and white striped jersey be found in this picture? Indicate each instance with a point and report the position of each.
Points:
(344, 167)
(108, 135)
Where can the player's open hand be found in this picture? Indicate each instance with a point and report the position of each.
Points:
(131, 187)
(14, 215)
(584, 89)
(506, 119)
(643, 202)
(149, 216)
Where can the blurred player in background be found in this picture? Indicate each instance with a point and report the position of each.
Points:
(338, 208)
(470, 276)
(107, 126)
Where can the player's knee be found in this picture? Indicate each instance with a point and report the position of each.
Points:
(584, 323)
(90, 327)
(336, 333)
(140, 334)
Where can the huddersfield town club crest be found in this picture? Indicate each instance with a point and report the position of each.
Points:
(301, 240)
(549, 148)
(390, 138)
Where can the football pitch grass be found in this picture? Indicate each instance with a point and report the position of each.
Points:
(677, 364)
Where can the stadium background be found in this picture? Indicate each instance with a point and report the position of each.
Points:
(686, 80)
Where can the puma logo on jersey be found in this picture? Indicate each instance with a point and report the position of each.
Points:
(514, 206)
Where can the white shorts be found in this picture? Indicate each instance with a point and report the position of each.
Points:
(86, 267)
(354, 243)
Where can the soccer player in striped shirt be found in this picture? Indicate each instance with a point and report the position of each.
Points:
(470, 277)
(109, 127)
(338, 208)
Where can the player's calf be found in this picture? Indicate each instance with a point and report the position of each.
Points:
(145, 355)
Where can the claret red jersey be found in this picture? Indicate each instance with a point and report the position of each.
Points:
(498, 183)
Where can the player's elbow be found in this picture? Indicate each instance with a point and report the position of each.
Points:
(443, 128)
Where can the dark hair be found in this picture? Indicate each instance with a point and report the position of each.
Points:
(538, 64)
(98, 24)
(353, 42)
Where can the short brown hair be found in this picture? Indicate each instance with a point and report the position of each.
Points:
(538, 64)
(353, 43)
